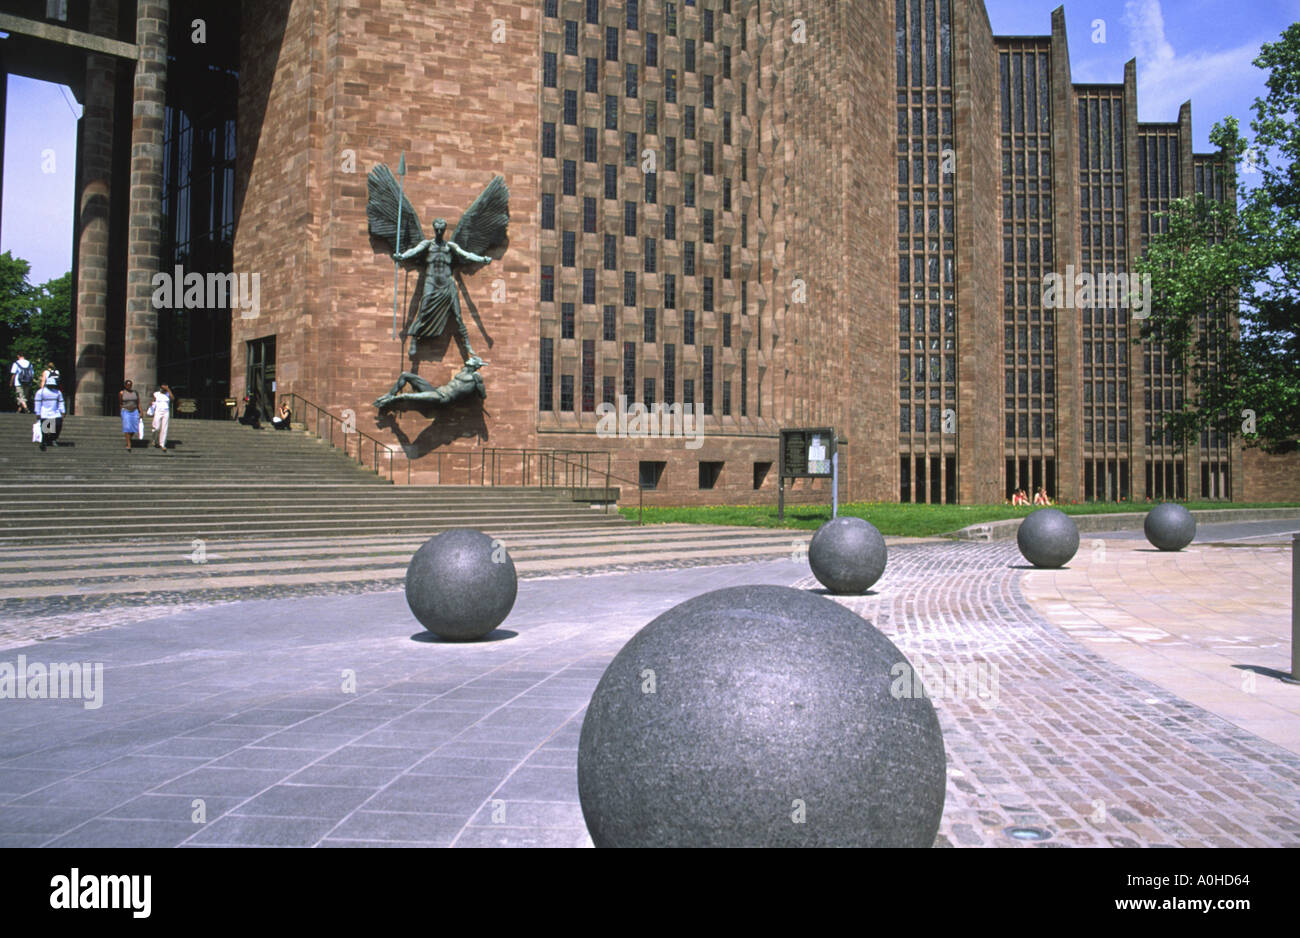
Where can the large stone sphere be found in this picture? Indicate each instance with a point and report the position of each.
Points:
(1048, 538)
(847, 555)
(1169, 526)
(759, 716)
(461, 584)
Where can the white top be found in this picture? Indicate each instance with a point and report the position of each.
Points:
(49, 403)
(16, 367)
(162, 404)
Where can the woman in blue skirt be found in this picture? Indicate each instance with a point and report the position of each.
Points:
(129, 401)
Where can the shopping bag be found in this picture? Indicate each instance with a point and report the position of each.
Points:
(36, 432)
(139, 429)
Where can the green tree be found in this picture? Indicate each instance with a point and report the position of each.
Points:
(34, 321)
(1244, 259)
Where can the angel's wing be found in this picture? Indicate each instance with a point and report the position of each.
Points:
(483, 226)
(381, 209)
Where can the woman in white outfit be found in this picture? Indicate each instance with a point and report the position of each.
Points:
(162, 412)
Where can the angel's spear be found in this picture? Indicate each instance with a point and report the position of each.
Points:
(397, 241)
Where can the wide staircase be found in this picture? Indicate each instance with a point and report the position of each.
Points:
(228, 510)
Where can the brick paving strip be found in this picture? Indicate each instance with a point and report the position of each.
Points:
(242, 707)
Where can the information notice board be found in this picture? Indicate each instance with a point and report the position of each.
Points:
(806, 454)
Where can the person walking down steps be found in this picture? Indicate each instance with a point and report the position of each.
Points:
(128, 400)
(161, 410)
(50, 408)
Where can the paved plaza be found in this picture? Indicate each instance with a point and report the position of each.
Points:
(335, 720)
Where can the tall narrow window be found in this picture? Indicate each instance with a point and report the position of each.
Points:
(548, 211)
(629, 79)
(588, 375)
(629, 372)
(708, 380)
(546, 376)
(548, 69)
(670, 374)
(591, 75)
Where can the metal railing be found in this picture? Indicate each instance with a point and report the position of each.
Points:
(483, 466)
(340, 433)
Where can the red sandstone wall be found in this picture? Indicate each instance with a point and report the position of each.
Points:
(1269, 478)
(375, 79)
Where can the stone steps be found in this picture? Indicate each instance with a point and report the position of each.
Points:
(170, 567)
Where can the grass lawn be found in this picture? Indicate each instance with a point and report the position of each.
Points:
(893, 518)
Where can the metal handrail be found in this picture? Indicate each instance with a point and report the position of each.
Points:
(546, 465)
(348, 429)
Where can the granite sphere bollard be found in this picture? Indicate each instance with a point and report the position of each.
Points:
(847, 555)
(760, 716)
(461, 584)
(1169, 526)
(1048, 538)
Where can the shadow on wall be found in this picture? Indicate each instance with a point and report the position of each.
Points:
(463, 421)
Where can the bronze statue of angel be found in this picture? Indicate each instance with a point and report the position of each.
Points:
(481, 229)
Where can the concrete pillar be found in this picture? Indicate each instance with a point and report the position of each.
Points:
(93, 189)
(144, 228)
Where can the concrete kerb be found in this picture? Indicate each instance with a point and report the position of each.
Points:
(1123, 521)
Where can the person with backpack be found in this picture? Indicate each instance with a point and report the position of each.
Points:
(50, 371)
(50, 408)
(22, 374)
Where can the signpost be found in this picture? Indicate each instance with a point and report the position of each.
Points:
(807, 454)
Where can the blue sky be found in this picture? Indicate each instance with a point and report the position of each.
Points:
(1186, 49)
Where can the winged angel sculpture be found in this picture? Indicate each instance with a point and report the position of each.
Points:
(481, 228)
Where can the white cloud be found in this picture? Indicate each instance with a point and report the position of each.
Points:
(1167, 79)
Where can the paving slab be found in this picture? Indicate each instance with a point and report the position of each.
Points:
(329, 720)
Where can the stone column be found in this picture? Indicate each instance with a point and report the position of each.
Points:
(144, 237)
(93, 191)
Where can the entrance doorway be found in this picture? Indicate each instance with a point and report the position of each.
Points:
(261, 375)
